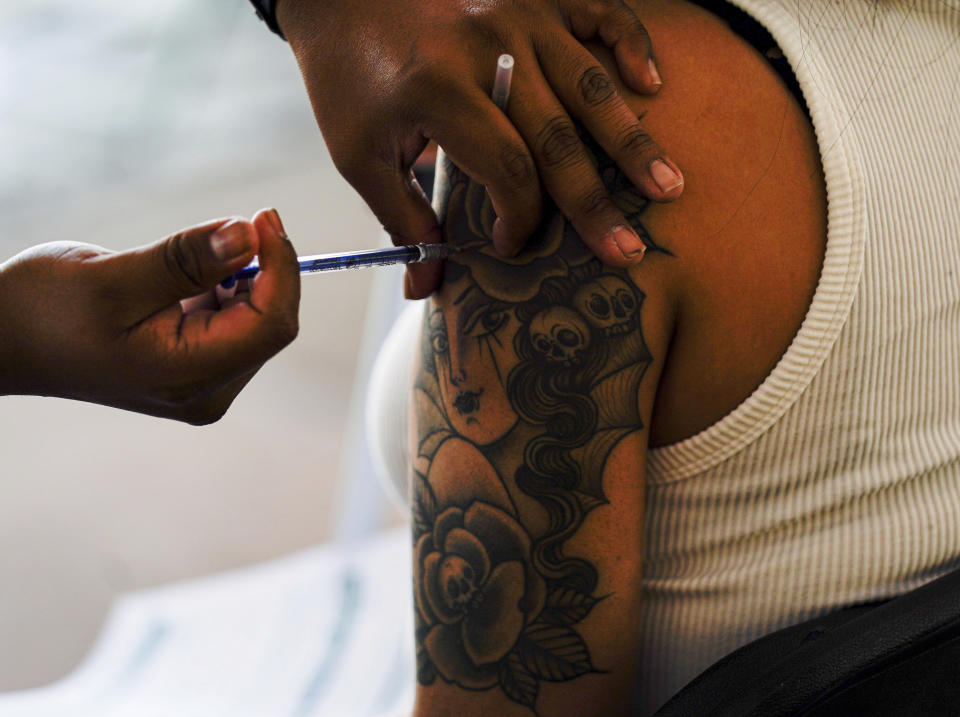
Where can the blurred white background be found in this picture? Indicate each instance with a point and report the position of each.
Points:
(120, 123)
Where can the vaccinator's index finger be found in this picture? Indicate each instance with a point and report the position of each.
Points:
(275, 290)
(401, 206)
(483, 143)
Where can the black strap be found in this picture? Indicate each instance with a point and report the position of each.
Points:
(267, 11)
(899, 657)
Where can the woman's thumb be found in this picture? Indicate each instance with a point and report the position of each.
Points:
(187, 263)
(197, 259)
(229, 243)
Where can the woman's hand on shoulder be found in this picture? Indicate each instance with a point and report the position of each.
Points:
(385, 77)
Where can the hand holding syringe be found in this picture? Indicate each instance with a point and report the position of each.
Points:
(411, 254)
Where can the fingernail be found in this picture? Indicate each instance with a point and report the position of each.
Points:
(277, 225)
(665, 176)
(630, 245)
(229, 241)
(654, 73)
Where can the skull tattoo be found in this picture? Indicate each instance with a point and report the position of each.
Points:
(560, 335)
(609, 304)
(458, 583)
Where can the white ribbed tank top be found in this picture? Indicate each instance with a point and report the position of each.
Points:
(838, 480)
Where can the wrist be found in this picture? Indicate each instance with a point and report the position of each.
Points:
(11, 373)
(39, 322)
(6, 349)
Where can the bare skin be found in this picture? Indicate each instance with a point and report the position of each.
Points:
(751, 226)
(544, 379)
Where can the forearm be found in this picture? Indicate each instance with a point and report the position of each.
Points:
(59, 327)
(23, 323)
(8, 349)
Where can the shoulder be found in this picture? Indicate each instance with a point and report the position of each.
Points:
(748, 234)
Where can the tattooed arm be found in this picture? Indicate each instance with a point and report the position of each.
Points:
(533, 393)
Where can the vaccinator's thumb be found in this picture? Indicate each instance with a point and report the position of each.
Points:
(187, 263)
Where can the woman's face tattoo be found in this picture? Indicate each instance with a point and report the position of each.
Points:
(472, 370)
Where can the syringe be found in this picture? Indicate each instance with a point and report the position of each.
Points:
(317, 263)
(411, 254)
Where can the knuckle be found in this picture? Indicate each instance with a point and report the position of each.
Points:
(426, 78)
(291, 329)
(203, 414)
(284, 330)
(602, 7)
(595, 203)
(354, 151)
(595, 86)
(423, 106)
(638, 29)
(198, 403)
(636, 141)
(592, 7)
(517, 165)
(620, 10)
(484, 26)
(179, 396)
(559, 144)
(182, 261)
(351, 165)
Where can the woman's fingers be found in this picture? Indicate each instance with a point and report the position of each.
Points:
(489, 150)
(568, 172)
(425, 70)
(592, 97)
(618, 26)
(207, 348)
(404, 210)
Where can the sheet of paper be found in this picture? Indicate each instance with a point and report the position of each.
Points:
(324, 632)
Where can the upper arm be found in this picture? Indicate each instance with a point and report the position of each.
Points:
(533, 398)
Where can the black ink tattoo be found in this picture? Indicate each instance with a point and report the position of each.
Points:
(529, 377)
(595, 87)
